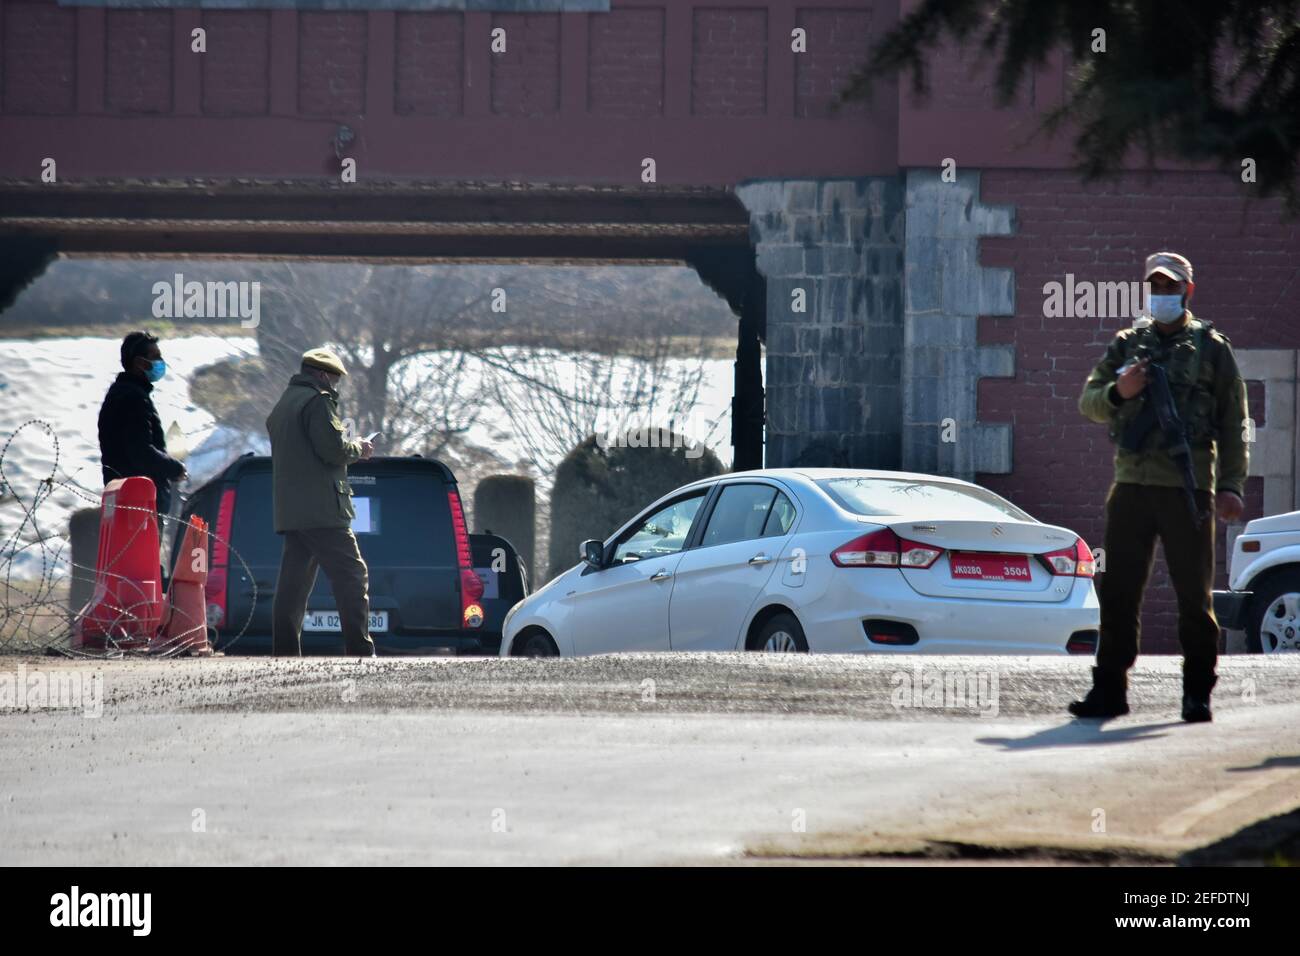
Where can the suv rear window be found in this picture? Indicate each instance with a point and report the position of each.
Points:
(402, 519)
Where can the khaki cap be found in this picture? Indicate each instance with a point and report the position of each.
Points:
(324, 359)
(1169, 263)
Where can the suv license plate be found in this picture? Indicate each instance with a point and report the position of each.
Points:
(329, 621)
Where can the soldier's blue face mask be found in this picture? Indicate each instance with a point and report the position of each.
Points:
(1166, 308)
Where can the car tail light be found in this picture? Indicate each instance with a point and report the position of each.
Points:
(214, 591)
(1074, 561)
(471, 586)
(884, 549)
(878, 549)
(914, 554)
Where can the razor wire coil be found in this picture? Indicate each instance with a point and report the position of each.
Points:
(36, 618)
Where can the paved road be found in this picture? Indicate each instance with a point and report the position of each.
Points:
(657, 758)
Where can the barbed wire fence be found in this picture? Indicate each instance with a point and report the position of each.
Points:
(37, 571)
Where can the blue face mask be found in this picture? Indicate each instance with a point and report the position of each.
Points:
(1166, 308)
(157, 369)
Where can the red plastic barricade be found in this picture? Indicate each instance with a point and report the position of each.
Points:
(186, 628)
(127, 605)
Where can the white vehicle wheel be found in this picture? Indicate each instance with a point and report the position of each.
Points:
(1275, 628)
(1279, 630)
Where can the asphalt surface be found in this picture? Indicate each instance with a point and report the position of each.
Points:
(658, 758)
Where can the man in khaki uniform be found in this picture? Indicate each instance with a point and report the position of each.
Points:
(313, 507)
(1149, 500)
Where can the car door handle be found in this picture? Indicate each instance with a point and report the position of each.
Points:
(760, 558)
(661, 575)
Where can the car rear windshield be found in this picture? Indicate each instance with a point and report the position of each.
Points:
(912, 496)
(402, 519)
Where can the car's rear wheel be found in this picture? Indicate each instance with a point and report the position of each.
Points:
(1274, 625)
(537, 644)
(780, 635)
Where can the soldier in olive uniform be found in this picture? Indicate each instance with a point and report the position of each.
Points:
(313, 507)
(1149, 498)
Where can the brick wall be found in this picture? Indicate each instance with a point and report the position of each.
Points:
(625, 76)
(236, 67)
(526, 77)
(1245, 259)
(836, 39)
(962, 78)
(430, 61)
(729, 62)
(39, 52)
(426, 98)
(138, 63)
(331, 63)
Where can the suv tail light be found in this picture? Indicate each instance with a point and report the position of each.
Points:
(884, 549)
(1075, 561)
(215, 589)
(471, 586)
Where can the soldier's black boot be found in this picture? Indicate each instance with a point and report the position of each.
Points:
(1108, 697)
(1196, 697)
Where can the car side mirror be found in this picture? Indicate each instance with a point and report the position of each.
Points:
(593, 553)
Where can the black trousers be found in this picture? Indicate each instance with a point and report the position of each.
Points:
(306, 552)
(1135, 516)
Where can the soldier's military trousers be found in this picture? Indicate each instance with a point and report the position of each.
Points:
(305, 552)
(1135, 516)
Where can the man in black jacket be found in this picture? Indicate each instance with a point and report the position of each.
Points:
(131, 440)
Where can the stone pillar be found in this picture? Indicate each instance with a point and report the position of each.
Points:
(832, 254)
(732, 275)
(1275, 452)
(507, 505)
(1276, 448)
(83, 538)
(946, 290)
(747, 413)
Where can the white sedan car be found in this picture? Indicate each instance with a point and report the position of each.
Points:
(824, 560)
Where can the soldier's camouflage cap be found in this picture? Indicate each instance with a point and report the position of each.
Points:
(324, 359)
(1171, 264)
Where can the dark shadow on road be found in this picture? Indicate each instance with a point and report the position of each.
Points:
(1269, 763)
(1079, 733)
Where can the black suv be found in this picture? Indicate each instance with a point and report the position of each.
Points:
(434, 588)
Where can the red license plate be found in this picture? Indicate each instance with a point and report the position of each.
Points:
(989, 567)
